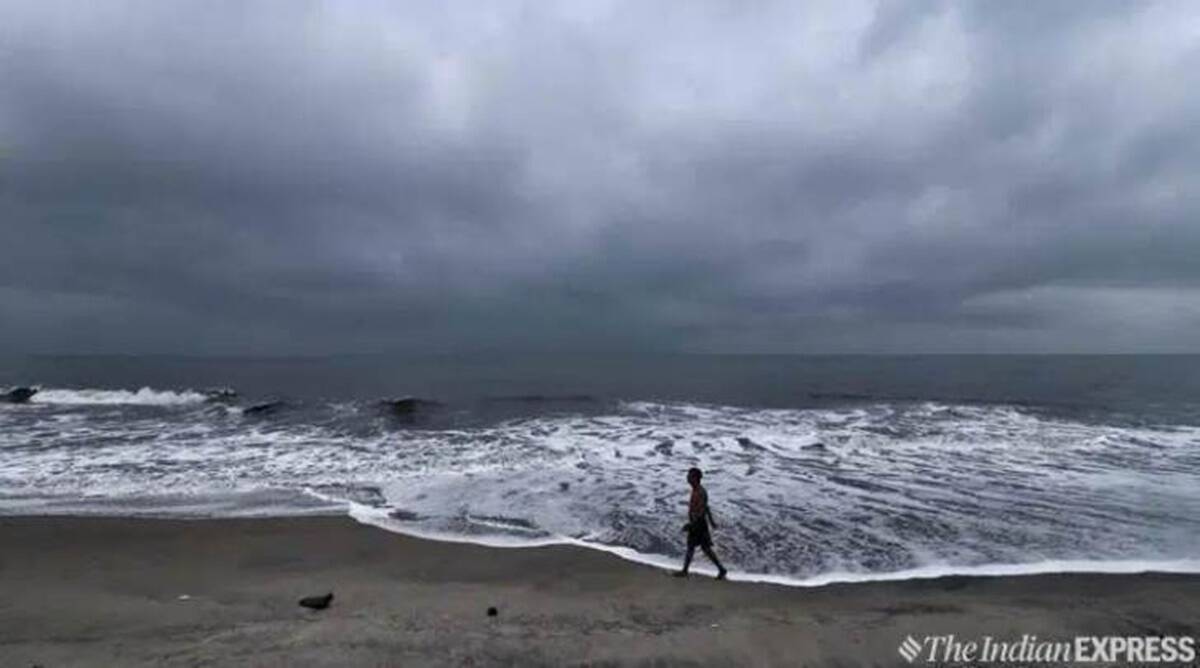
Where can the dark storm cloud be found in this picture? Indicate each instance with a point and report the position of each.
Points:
(328, 177)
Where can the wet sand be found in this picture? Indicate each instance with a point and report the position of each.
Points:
(108, 592)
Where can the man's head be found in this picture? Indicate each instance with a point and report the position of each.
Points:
(694, 475)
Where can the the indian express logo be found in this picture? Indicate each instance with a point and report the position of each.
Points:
(1030, 649)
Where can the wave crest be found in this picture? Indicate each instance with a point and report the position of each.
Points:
(145, 396)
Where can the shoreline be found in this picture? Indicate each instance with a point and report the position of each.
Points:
(367, 516)
(929, 572)
(107, 591)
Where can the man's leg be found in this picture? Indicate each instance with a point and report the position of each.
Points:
(687, 560)
(713, 557)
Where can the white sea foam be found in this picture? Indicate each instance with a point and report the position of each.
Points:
(95, 397)
(869, 491)
(379, 518)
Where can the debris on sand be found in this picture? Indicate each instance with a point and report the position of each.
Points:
(317, 602)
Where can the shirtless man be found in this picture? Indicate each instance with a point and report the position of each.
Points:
(699, 518)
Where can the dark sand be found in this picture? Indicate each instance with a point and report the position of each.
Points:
(106, 592)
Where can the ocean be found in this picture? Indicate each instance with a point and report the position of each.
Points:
(819, 468)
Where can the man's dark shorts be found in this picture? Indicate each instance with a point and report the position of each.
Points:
(698, 536)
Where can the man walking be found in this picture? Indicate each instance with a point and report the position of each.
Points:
(699, 519)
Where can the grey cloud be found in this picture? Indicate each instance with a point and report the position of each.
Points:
(774, 177)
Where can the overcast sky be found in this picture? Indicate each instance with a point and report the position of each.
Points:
(726, 176)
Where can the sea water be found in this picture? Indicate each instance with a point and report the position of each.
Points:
(818, 469)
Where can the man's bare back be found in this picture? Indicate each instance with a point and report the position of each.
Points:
(698, 505)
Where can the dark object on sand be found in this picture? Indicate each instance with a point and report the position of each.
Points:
(265, 408)
(317, 602)
(492, 611)
(20, 395)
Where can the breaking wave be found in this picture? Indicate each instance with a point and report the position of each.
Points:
(95, 397)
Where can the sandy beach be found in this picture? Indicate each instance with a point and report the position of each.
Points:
(106, 592)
